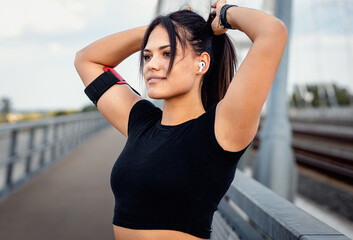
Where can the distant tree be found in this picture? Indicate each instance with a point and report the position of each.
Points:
(62, 112)
(320, 97)
(294, 101)
(89, 108)
(5, 108)
(313, 88)
(59, 113)
(343, 95)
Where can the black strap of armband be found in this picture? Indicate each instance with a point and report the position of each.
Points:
(102, 83)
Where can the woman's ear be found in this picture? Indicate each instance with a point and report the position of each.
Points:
(204, 63)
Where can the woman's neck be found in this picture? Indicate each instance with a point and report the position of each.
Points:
(177, 111)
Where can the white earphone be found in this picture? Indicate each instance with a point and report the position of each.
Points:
(201, 66)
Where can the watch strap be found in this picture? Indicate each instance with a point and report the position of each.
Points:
(223, 18)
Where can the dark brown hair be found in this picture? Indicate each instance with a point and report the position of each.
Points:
(188, 27)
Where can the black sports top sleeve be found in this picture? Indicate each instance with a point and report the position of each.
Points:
(141, 114)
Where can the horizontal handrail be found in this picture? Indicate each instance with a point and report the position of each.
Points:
(274, 215)
(50, 121)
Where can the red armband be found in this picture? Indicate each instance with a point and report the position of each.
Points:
(103, 82)
(112, 70)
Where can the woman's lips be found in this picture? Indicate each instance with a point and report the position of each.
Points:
(155, 80)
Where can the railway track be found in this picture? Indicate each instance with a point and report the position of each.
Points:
(327, 148)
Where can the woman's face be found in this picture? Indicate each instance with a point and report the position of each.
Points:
(182, 78)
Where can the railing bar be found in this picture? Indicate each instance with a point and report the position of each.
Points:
(273, 214)
(44, 142)
(39, 148)
(18, 157)
(30, 148)
(49, 121)
(12, 152)
(53, 142)
(241, 227)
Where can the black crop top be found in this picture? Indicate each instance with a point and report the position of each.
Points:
(170, 177)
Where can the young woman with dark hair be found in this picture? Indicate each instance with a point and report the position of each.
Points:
(178, 163)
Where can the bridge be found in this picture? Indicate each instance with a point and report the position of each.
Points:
(54, 173)
(55, 185)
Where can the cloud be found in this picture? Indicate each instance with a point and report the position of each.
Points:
(59, 50)
(38, 41)
(28, 52)
(12, 18)
(46, 16)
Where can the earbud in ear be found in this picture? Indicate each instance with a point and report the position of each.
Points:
(201, 66)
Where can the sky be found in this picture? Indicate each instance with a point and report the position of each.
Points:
(321, 46)
(39, 39)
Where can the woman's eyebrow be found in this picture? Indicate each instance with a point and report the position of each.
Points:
(160, 48)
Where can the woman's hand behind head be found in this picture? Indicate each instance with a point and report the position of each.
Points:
(216, 26)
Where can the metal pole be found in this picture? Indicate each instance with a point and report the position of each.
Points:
(54, 142)
(43, 146)
(11, 157)
(30, 148)
(274, 164)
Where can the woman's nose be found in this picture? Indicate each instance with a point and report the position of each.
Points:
(155, 63)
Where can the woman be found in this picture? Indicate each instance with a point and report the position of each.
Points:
(178, 163)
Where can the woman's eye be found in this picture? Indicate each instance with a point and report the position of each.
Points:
(167, 54)
(146, 57)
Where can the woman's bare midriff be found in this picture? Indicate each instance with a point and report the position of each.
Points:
(122, 233)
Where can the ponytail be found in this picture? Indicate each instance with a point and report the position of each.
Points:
(222, 69)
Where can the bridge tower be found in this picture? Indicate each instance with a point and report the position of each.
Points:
(274, 164)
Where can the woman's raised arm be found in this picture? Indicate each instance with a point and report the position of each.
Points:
(238, 113)
(115, 104)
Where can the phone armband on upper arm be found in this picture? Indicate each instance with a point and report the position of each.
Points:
(103, 82)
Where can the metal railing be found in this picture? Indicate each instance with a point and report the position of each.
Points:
(330, 115)
(252, 211)
(326, 147)
(27, 148)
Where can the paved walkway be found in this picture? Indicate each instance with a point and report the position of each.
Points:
(71, 200)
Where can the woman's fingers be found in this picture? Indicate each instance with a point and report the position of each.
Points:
(214, 5)
(217, 29)
(218, 5)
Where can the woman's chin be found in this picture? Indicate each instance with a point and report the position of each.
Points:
(152, 93)
(155, 96)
